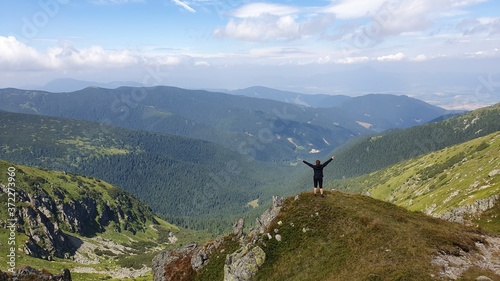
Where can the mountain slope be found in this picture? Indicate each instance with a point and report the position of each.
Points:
(343, 237)
(368, 154)
(326, 101)
(199, 183)
(263, 129)
(381, 110)
(449, 183)
(69, 220)
(352, 237)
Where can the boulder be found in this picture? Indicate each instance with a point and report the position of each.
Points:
(243, 264)
(174, 264)
(30, 273)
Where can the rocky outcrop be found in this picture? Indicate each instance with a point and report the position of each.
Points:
(243, 264)
(29, 273)
(238, 227)
(182, 264)
(452, 266)
(481, 205)
(43, 218)
(39, 222)
(262, 222)
(174, 264)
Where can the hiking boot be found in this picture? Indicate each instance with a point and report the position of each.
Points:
(322, 195)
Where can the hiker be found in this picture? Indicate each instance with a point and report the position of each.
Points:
(318, 173)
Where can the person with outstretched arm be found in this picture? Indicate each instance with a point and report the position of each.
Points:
(318, 173)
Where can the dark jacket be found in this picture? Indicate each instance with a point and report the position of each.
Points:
(318, 169)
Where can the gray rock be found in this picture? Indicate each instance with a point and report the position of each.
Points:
(243, 264)
(262, 222)
(171, 265)
(481, 205)
(30, 273)
(238, 227)
(494, 173)
(278, 237)
(180, 264)
(240, 265)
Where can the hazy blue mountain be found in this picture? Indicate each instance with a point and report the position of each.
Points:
(261, 128)
(70, 85)
(383, 110)
(292, 97)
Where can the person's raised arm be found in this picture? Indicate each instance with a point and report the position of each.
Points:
(307, 163)
(328, 161)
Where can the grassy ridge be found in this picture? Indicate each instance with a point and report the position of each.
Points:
(354, 237)
(437, 182)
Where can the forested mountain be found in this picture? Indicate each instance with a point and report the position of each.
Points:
(368, 154)
(263, 129)
(192, 182)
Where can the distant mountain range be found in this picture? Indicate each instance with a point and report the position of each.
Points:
(265, 129)
(70, 85)
(325, 101)
(451, 90)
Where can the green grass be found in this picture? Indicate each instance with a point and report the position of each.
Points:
(354, 237)
(489, 220)
(436, 182)
(85, 145)
(214, 270)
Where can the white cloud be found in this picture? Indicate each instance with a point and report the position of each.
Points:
(482, 25)
(277, 23)
(394, 57)
(353, 60)
(388, 18)
(420, 57)
(202, 63)
(184, 5)
(16, 56)
(347, 9)
(257, 9)
(262, 28)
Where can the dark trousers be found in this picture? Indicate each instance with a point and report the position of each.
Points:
(318, 181)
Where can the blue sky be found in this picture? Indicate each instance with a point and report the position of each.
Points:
(234, 44)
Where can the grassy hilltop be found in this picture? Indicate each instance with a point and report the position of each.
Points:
(355, 237)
